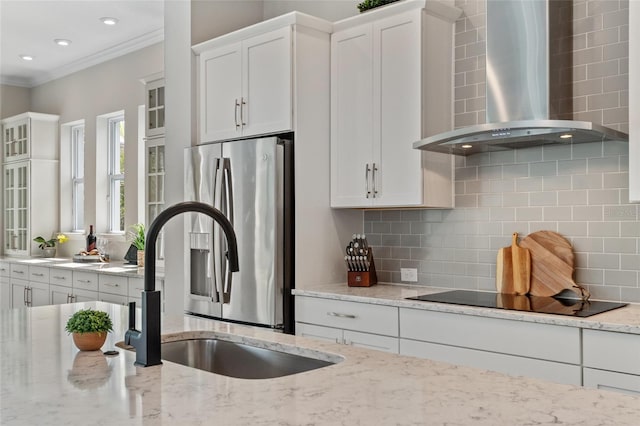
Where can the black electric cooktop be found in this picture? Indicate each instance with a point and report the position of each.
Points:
(545, 305)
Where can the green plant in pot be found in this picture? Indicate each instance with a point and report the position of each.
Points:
(89, 328)
(136, 236)
(371, 4)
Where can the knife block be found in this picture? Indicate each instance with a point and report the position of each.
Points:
(363, 278)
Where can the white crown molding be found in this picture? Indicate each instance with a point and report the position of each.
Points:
(113, 52)
(15, 81)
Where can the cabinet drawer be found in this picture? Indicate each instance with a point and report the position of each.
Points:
(318, 332)
(5, 269)
(113, 298)
(365, 317)
(542, 341)
(507, 364)
(19, 271)
(39, 274)
(61, 277)
(85, 280)
(611, 351)
(371, 341)
(608, 380)
(136, 286)
(112, 284)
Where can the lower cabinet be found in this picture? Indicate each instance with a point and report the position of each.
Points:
(513, 347)
(611, 361)
(27, 293)
(351, 323)
(5, 286)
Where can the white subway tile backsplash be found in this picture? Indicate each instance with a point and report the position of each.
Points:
(580, 191)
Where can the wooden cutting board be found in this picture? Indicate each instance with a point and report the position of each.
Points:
(552, 266)
(513, 269)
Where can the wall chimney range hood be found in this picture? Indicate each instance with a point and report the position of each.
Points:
(528, 84)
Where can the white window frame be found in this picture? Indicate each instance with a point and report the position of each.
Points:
(77, 182)
(115, 179)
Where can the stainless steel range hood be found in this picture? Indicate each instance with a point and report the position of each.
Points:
(528, 81)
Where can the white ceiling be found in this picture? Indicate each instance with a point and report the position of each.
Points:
(30, 26)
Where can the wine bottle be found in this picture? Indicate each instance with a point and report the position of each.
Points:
(91, 239)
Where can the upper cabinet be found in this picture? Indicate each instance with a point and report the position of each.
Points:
(154, 89)
(30, 157)
(391, 85)
(30, 135)
(245, 87)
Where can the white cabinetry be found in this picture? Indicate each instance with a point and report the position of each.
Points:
(28, 289)
(245, 87)
(356, 324)
(5, 286)
(611, 361)
(30, 152)
(517, 348)
(391, 85)
(112, 289)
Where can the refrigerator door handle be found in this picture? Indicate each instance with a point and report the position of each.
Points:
(228, 212)
(214, 256)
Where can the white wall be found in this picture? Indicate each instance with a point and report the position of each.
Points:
(108, 87)
(13, 100)
(210, 19)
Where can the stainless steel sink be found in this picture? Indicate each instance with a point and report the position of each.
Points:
(237, 359)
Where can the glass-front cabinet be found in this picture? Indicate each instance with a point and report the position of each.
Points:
(155, 178)
(30, 175)
(155, 108)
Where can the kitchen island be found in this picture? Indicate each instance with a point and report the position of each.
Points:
(45, 380)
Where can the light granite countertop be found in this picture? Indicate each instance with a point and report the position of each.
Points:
(623, 320)
(44, 380)
(115, 268)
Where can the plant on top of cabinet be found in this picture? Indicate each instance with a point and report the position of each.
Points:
(370, 4)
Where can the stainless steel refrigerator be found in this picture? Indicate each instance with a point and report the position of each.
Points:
(251, 182)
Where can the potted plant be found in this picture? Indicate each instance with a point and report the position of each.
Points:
(136, 236)
(89, 328)
(370, 4)
(49, 246)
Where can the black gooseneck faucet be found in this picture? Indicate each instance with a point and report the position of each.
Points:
(147, 340)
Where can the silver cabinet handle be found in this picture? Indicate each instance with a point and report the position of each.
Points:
(85, 281)
(339, 315)
(243, 103)
(69, 298)
(59, 278)
(25, 297)
(37, 275)
(235, 113)
(19, 272)
(373, 179)
(366, 178)
(111, 285)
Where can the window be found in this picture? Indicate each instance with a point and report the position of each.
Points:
(116, 174)
(77, 177)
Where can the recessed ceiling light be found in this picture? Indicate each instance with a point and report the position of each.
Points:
(566, 136)
(109, 21)
(26, 57)
(467, 146)
(62, 42)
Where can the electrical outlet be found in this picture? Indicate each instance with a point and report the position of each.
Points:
(409, 274)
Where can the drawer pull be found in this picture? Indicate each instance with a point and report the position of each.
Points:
(339, 315)
(59, 278)
(85, 281)
(19, 272)
(111, 285)
(37, 275)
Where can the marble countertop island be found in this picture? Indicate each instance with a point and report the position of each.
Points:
(45, 381)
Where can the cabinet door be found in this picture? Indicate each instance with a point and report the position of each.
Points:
(371, 341)
(16, 208)
(397, 179)
(84, 295)
(351, 117)
(220, 93)
(266, 83)
(60, 295)
(19, 296)
(5, 293)
(16, 140)
(155, 108)
(39, 294)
